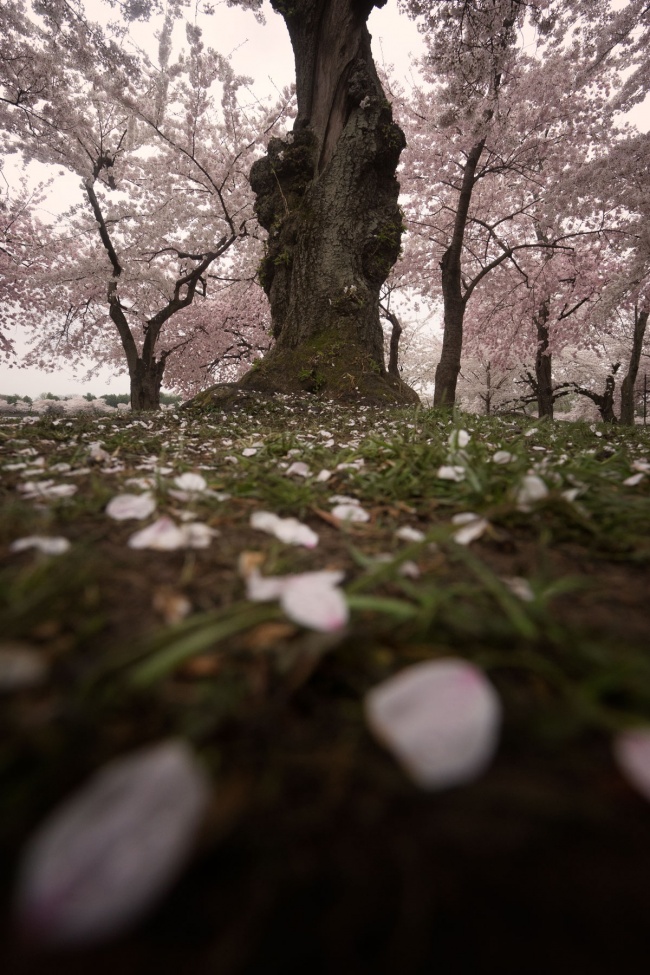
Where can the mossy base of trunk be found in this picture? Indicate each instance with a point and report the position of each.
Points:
(327, 366)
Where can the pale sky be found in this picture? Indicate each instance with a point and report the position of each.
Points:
(261, 52)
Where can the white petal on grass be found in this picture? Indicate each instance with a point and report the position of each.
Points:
(520, 588)
(324, 475)
(299, 468)
(249, 452)
(46, 489)
(350, 512)
(287, 530)
(458, 439)
(571, 494)
(125, 506)
(20, 667)
(162, 535)
(634, 480)
(97, 453)
(409, 569)
(531, 489)
(632, 753)
(451, 473)
(198, 535)
(472, 528)
(408, 534)
(114, 848)
(263, 589)
(49, 545)
(310, 598)
(502, 457)
(194, 483)
(313, 600)
(440, 719)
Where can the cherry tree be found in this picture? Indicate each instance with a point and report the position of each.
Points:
(163, 182)
(497, 137)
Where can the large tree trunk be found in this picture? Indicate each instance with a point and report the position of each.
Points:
(327, 195)
(627, 386)
(454, 301)
(543, 366)
(146, 380)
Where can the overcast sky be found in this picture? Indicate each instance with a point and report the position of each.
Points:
(261, 52)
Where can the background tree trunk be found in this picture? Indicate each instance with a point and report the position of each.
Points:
(543, 366)
(327, 195)
(454, 302)
(627, 386)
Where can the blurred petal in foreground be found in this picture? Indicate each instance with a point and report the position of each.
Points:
(440, 719)
(113, 848)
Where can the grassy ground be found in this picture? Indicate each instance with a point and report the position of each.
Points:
(318, 854)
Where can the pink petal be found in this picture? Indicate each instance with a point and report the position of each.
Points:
(632, 754)
(111, 850)
(440, 719)
(313, 600)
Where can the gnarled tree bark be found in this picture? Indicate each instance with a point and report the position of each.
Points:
(327, 195)
(627, 386)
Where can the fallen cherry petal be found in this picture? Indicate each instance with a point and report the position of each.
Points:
(451, 473)
(21, 666)
(162, 535)
(313, 600)
(408, 534)
(124, 506)
(472, 528)
(298, 467)
(350, 512)
(634, 480)
(194, 483)
(502, 457)
(632, 753)
(440, 719)
(198, 535)
(112, 849)
(55, 545)
(458, 439)
(531, 489)
(287, 530)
